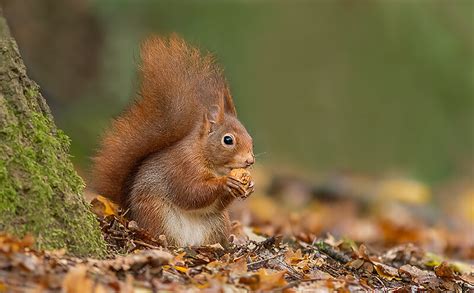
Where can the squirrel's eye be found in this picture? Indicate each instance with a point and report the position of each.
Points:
(228, 139)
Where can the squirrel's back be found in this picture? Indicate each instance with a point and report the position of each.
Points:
(178, 84)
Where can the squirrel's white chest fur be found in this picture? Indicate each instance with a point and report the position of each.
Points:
(189, 227)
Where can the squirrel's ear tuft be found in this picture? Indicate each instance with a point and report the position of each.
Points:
(229, 106)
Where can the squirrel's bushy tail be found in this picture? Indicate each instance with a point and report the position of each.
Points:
(177, 85)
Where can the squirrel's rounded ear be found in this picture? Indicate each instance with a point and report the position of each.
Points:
(215, 114)
(213, 117)
(206, 125)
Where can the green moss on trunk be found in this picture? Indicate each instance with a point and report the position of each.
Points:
(40, 193)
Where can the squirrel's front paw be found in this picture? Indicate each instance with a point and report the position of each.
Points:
(250, 189)
(239, 189)
(239, 183)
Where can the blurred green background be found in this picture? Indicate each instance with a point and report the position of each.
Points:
(368, 86)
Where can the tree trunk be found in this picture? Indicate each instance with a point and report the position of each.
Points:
(40, 193)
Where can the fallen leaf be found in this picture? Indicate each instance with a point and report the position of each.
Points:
(252, 281)
(239, 266)
(386, 271)
(292, 257)
(356, 263)
(417, 275)
(469, 278)
(217, 246)
(77, 281)
(178, 259)
(317, 275)
(367, 266)
(444, 270)
(264, 280)
(252, 236)
(181, 269)
(103, 207)
(273, 280)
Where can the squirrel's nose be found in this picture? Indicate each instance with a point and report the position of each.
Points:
(250, 160)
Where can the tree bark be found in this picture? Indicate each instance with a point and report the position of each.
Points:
(40, 193)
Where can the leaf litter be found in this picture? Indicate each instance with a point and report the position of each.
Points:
(271, 248)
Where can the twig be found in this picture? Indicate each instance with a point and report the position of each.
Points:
(117, 237)
(297, 282)
(145, 244)
(330, 251)
(380, 281)
(291, 271)
(263, 260)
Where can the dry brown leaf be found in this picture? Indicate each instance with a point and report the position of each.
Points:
(26, 262)
(271, 280)
(217, 246)
(293, 257)
(369, 267)
(239, 266)
(103, 207)
(331, 240)
(264, 280)
(386, 271)
(252, 281)
(252, 236)
(363, 252)
(77, 281)
(317, 275)
(356, 263)
(417, 275)
(178, 259)
(151, 257)
(10, 244)
(444, 270)
(469, 278)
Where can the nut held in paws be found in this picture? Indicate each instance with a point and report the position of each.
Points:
(243, 175)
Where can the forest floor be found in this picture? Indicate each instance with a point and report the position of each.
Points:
(346, 234)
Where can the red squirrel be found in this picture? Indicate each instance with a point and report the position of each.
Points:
(168, 158)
